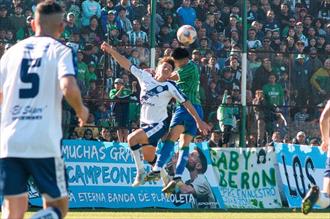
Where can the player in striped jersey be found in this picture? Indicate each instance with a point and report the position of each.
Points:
(34, 75)
(156, 93)
(182, 125)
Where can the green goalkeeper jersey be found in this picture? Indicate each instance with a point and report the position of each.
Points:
(188, 82)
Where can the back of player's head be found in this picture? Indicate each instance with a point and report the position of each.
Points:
(48, 20)
(202, 159)
(48, 8)
(168, 60)
(180, 53)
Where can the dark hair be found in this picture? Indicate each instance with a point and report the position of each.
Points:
(168, 60)
(48, 8)
(202, 158)
(180, 53)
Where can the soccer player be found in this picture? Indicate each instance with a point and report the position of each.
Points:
(34, 75)
(314, 196)
(182, 126)
(156, 93)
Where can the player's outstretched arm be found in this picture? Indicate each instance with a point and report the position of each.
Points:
(122, 60)
(72, 94)
(202, 126)
(324, 127)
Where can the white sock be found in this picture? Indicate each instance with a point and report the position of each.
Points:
(49, 213)
(156, 168)
(138, 162)
(324, 200)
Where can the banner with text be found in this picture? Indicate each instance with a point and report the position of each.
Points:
(246, 177)
(300, 167)
(101, 174)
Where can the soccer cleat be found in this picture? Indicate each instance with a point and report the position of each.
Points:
(310, 199)
(152, 176)
(139, 179)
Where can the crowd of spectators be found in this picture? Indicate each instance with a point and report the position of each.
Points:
(288, 73)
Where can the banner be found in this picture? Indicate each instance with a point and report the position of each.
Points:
(101, 174)
(300, 167)
(246, 177)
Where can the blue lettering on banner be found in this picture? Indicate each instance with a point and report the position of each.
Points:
(101, 174)
(300, 167)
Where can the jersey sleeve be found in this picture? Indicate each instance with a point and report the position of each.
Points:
(139, 73)
(176, 93)
(67, 64)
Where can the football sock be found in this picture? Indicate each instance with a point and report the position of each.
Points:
(182, 161)
(137, 157)
(164, 155)
(49, 213)
(153, 161)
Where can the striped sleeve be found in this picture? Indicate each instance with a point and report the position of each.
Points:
(176, 93)
(67, 64)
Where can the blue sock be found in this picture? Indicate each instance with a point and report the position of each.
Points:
(182, 161)
(164, 155)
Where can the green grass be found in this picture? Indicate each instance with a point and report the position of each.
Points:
(166, 214)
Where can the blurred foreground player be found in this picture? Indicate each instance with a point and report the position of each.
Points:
(34, 76)
(314, 196)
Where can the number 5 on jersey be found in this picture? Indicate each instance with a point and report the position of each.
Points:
(27, 77)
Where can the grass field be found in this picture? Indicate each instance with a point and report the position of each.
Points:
(163, 214)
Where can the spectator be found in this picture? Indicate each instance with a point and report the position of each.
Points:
(226, 115)
(137, 33)
(301, 117)
(124, 23)
(227, 81)
(186, 14)
(90, 8)
(274, 93)
(120, 108)
(321, 80)
(262, 74)
(300, 138)
(300, 76)
(260, 107)
(88, 135)
(127, 6)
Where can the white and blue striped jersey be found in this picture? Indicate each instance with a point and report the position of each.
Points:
(30, 74)
(155, 96)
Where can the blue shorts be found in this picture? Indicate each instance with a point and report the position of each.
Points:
(327, 168)
(48, 175)
(155, 131)
(182, 117)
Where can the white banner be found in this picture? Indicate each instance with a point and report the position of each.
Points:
(246, 177)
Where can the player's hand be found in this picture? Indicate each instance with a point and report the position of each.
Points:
(105, 47)
(324, 146)
(83, 116)
(203, 127)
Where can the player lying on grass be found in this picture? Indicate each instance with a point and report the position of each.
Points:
(183, 126)
(314, 196)
(156, 93)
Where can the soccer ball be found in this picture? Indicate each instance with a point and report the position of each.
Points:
(186, 34)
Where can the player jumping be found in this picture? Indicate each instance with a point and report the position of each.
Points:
(182, 126)
(314, 196)
(156, 93)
